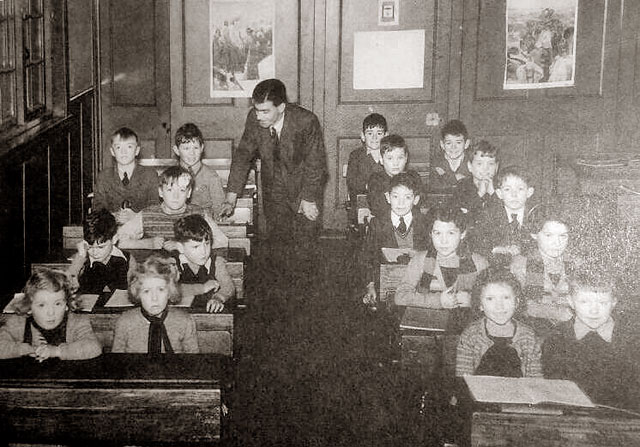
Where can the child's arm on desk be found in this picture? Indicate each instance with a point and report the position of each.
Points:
(549, 309)
(84, 344)
(407, 293)
(199, 289)
(11, 336)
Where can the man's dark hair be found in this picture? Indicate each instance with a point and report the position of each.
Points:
(270, 90)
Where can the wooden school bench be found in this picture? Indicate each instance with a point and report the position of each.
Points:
(121, 399)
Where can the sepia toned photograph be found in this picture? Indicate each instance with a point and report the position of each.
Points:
(419, 228)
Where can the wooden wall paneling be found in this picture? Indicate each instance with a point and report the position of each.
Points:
(586, 109)
(79, 31)
(135, 74)
(404, 109)
(37, 200)
(65, 183)
(80, 148)
(11, 223)
(628, 107)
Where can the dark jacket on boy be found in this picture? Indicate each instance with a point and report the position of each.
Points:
(494, 230)
(382, 233)
(605, 371)
(465, 195)
(378, 185)
(140, 191)
(442, 179)
(361, 166)
(95, 276)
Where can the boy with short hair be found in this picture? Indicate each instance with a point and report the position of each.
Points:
(127, 187)
(395, 155)
(366, 160)
(476, 192)
(596, 351)
(155, 226)
(201, 272)
(189, 147)
(448, 166)
(404, 226)
(502, 227)
(99, 263)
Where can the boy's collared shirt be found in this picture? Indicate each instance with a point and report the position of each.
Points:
(115, 252)
(454, 163)
(395, 219)
(519, 213)
(605, 331)
(128, 170)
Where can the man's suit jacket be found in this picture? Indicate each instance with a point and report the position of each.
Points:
(494, 230)
(382, 235)
(302, 153)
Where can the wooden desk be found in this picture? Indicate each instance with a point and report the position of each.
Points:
(597, 427)
(116, 398)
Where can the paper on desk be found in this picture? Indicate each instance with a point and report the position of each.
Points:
(391, 254)
(14, 304)
(119, 298)
(526, 390)
(86, 301)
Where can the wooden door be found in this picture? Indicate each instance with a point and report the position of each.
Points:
(134, 71)
(537, 127)
(354, 31)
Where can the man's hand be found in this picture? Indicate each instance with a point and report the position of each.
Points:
(229, 204)
(214, 305)
(309, 210)
(371, 296)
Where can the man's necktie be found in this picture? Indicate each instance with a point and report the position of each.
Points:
(125, 179)
(275, 141)
(402, 227)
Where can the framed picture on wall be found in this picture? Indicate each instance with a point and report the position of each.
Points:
(540, 43)
(241, 39)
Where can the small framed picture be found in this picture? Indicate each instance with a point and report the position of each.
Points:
(388, 12)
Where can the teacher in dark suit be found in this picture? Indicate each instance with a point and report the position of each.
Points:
(289, 141)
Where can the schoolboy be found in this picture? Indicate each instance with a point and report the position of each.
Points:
(189, 147)
(127, 187)
(201, 272)
(476, 192)
(449, 165)
(395, 155)
(402, 227)
(99, 263)
(366, 160)
(155, 222)
(595, 350)
(502, 227)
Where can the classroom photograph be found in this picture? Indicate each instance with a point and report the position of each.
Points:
(315, 223)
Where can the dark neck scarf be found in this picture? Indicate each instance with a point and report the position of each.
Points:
(157, 333)
(501, 359)
(54, 337)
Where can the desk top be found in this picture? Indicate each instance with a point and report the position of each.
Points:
(120, 371)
